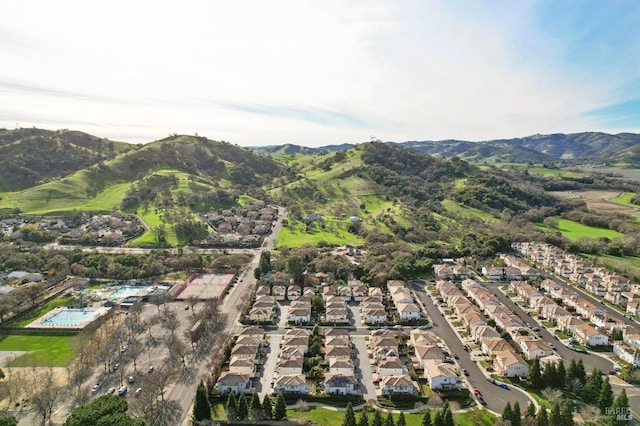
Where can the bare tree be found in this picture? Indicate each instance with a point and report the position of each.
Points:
(135, 350)
(178, 350)
(158, 381)
(47, 394)
(170, 321)
(192, 300)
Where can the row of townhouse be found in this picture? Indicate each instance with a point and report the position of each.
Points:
(402, 298)
(288, 377)
(341, 378)
(596, 280)
(506, 360)
(391, 372)
(264, 309)
(246, 354)
(452, 272)
(372, 308)
(585, 333)
(429, 357)
(628, 349)
(336, 309)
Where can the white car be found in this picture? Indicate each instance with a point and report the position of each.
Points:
(96, 387)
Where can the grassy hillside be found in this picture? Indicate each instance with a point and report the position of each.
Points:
(33, 156)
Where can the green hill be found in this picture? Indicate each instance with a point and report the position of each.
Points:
(33, 156)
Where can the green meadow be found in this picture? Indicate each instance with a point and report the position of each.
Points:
(575, 230)
(297, 235)
(42, 351)
(625, 199)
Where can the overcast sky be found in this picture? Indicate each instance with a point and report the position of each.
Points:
(320, 72)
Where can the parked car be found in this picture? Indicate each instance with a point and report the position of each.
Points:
(131, 379)
(150, 370)
(502, 385)
(96, 387)
(465, 372)
(456, 356)
(122, 391)
(138, 391)
(111, 390)
(476, 391)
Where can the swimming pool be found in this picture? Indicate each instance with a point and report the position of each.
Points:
(69, 317)
(126, 291)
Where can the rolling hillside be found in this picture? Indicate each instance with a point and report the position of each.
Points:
(32, 156)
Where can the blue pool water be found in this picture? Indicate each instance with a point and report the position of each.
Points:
(69, 317)
(125, 291)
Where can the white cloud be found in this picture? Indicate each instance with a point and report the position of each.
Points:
(255, 72)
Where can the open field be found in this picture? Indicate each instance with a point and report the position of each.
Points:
(42, 351)
(625, 200)
(601, 201)
(297, 236)
(574, 230)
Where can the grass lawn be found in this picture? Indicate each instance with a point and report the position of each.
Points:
(562, 335)
(326, 417)
(298, 236)
(575, 230)
(43, 351)
(37, 313)
(548, 324)
(153, 219)
(217, 411)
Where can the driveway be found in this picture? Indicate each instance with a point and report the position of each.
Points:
(495, 396)
(355, 313)
(269, 367)
(367, 387)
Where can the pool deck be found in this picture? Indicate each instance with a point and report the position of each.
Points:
(39, 323)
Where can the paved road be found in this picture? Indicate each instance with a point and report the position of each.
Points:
(495, 396)
(183, 391)
(367, 387)
(590, 361)
(269, 367)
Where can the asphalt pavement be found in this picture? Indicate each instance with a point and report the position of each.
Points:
(496, 397)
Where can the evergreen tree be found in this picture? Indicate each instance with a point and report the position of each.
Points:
(549, 373)
(605, 398)
(243, 408)
(232, 407)
(349, 418)
(438, 419)
(581, 373)
(555, 418)
(426, 419)
(267, 408)
(201, 405)
(280, 411)
(364, 419)
(572, 371)
(316, 330)
(447, 415)
(256, 412)
(541, 417)
(516, 416)
(401, 420)
(507, 412)
(561, 374)
(377, 419)
(531, 411)
(593, 385)
(535, 375)
(620, 407)
(567, 413)
(389, 421)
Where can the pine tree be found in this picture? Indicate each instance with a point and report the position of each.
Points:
(267, 408)
(280, 411)
(243, 408)
(426, 419)
(581, 373)
(256, 412)
(567, 414)
(201, 405)
(531, 411)
(605, 398)
(516, 416)
(572, 371)
(507, 412)
(541, 417)
(349, 418)
(401, 420)
(364, 419)
(389, 421)
(447, 415)
(377, 419)
(535, 375)
(549, 373)
(620, 407)
(232, 407)
(438, 419)
(555, 418)
(593, 385)
(561, 374)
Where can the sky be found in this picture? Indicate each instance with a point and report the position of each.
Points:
(316, 73)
